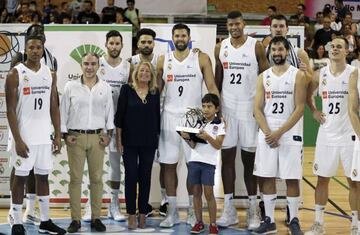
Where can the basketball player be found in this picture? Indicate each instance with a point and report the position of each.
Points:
(335, 137)
(145, 44)
(181, 74)
(239, 60)
(49, 60)
(32, 102)
(279, 105)
(116, 72)
(354, 90)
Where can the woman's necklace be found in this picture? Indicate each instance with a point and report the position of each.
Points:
(142, 94)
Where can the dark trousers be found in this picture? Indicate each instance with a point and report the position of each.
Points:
(138, 165)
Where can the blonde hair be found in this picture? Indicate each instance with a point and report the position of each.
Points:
(153, 86)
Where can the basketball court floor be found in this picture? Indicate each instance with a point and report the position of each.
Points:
(337, 217)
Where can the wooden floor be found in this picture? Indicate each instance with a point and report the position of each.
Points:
(335, 221)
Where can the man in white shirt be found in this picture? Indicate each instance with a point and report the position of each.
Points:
(87, 121)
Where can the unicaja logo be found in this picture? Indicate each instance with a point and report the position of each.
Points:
(78, 52)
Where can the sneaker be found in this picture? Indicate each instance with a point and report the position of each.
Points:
(163, 209)
(316, 229)
(150, 211)
(98, 225)
(287, 218)
(170, 220)
(114, 212)
(294, 227)
(266, 227)
(74, 226)
(253, 220)
(262, 211)
(87, 215)
(10, 219)
(50, 228)
(354, 230)
(191, 219)
(229, 217)
(18, 229)
(213, 229)
(198, 227)
(31, 218)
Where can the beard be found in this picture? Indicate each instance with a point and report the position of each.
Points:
(181, 47)
(279, 60)
(114, 54)
(146, 51)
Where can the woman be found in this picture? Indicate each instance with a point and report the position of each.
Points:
(137, 122)
(320, 58)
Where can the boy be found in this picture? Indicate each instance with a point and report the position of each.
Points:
(202, 161)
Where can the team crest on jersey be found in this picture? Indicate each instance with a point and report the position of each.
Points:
(102, 71)
(226, 53)
(169, 66)
(226, 65)
(268, 83)
(268, 94)
(324, 82)
(324, 94)
(316, 167)
(26, 78)
(26, 90)
(18, 162)
(215, 130)
(169, 78)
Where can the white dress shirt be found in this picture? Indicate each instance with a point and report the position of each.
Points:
(83, 108)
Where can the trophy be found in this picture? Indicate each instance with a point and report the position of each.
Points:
(192, 121)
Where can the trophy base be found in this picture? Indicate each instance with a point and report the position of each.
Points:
(192, 133)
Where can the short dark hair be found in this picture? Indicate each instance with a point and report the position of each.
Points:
(181, 26)
(272, 8)
(145, 31)
(130, 1)
(279, 39)
(113, 33)
(34, 37)
(211, 98)
(234, 15)
(280, 17)
(302, 6)
(339, 1)
(35, 29)
(88, 1)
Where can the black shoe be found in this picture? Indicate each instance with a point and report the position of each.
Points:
(18, 229)
(163, 209)
(50, 228)
(294, 227)
(74, 226)
(98, 225)
(287, 219)
(262, 211)
(149, 211)
(266, 227)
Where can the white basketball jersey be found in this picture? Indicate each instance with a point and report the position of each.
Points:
(183, 83)
(114, 76)
(337, 129)
(135, 60)
(33, 106)
(280, 103)
(241, 70)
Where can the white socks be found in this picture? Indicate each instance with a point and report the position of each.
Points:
(16, 211)
(163, 196)
(228, 200)
(115, 195)
(269, 203)
(172, 205)
(30, 203)
(354, 218)
(293, 203)
(319, 213)
(252, 202)
(44, 207)
(191, 201)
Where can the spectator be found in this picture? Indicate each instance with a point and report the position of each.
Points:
(341, 10)
(323, 36)
(120, 18)
(108, 13)
(88, 16)
(336, 26)
(348, 21)
(137, 122)
(66, 20)
(347, 32)
(135, 18)
(271, 11)
(320, 58)
(300, 13)
(75, 7)
(11, 6)
(25, 13)
(65, 12)
(319, 21)
(5, 17)
(356, 61)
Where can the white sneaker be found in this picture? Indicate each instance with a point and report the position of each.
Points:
(114, 212)
(253, 220)
(87, 215)
(316, 229)
(31, 218)
(10, 219)
(170, 220)
(191, 219)
(229, 217)
(354, 230)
